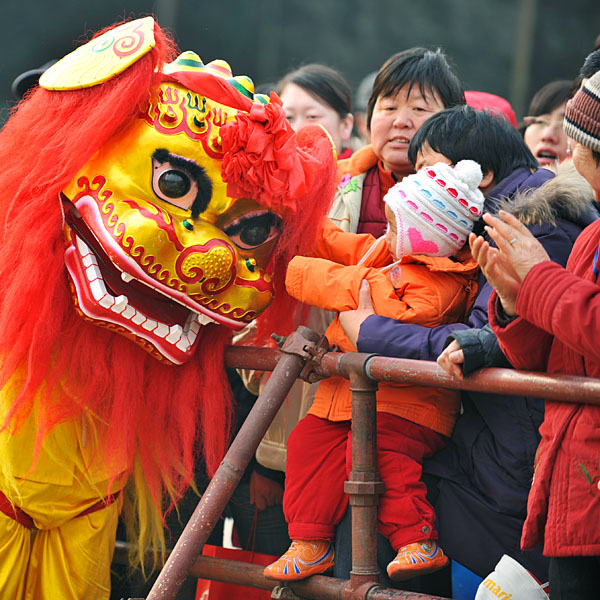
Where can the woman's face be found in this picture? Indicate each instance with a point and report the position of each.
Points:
(546, 139)
(396, 119)
(302, 108)
(586, 166)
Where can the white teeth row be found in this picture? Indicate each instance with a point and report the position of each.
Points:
(181, 337)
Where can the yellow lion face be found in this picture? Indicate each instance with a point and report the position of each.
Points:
(155, 247)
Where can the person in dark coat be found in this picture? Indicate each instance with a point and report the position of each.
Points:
(480, 481)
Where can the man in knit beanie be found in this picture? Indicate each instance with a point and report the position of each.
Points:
(582, 124)
(582, 116)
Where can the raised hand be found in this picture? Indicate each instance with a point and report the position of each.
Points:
(506, 266)
(516, 242)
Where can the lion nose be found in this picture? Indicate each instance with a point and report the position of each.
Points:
(212, 264)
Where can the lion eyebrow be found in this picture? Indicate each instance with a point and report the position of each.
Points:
(203, 181)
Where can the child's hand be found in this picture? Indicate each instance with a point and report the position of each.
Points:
(351, 320)
(451, 359)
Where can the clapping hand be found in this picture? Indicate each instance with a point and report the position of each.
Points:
(506, 266)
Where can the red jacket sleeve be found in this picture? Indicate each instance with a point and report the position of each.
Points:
(524, 345)
(564, 305)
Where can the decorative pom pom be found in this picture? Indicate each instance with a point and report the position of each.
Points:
(469, 172)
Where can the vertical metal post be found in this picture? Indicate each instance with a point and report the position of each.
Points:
(167, 12)
(364, 486)
(228, 475)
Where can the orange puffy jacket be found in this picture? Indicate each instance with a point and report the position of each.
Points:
(429, 291)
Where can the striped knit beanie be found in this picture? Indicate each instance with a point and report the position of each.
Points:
(582, 116)
(436, 208)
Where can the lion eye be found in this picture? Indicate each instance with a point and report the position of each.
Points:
(180, 181)
(174, 183)
(254, 230)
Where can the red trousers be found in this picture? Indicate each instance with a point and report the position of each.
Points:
(319, 460)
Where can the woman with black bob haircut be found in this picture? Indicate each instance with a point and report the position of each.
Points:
(409, 88)
(428, 69)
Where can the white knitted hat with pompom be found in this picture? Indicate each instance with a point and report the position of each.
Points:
(436, 208)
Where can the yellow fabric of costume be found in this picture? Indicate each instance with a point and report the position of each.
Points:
(66, 556)
(56, 563)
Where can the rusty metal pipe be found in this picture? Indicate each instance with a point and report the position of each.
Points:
(494, 380)
(248, 357)
(376, 368)
(419, 372)
(228, 475)
(317, 586)
(380, 593)
(364, 486)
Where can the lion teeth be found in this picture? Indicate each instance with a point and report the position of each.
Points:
(181, 337)
(98, 289)
(203, 319)
(175, 333)
(161, 331)
(184, 344)
(120, 304)
(83, 248)
(150, 324)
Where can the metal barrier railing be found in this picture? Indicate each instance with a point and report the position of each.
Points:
(303, 354)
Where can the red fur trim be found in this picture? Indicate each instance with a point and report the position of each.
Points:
(293, 174)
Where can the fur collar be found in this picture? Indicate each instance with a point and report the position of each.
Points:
(567, 196)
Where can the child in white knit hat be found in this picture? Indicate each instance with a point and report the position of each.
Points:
(432, 212)
(419, 272)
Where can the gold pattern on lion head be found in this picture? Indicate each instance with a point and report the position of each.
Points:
(155, 248)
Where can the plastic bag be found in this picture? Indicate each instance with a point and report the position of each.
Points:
(511, 581)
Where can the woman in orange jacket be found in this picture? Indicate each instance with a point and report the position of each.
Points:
(419, 272)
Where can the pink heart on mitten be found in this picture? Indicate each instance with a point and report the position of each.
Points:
(419, 245)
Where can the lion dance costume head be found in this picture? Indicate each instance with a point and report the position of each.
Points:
(149, 207)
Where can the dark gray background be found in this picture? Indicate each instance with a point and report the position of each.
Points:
(507, 47)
